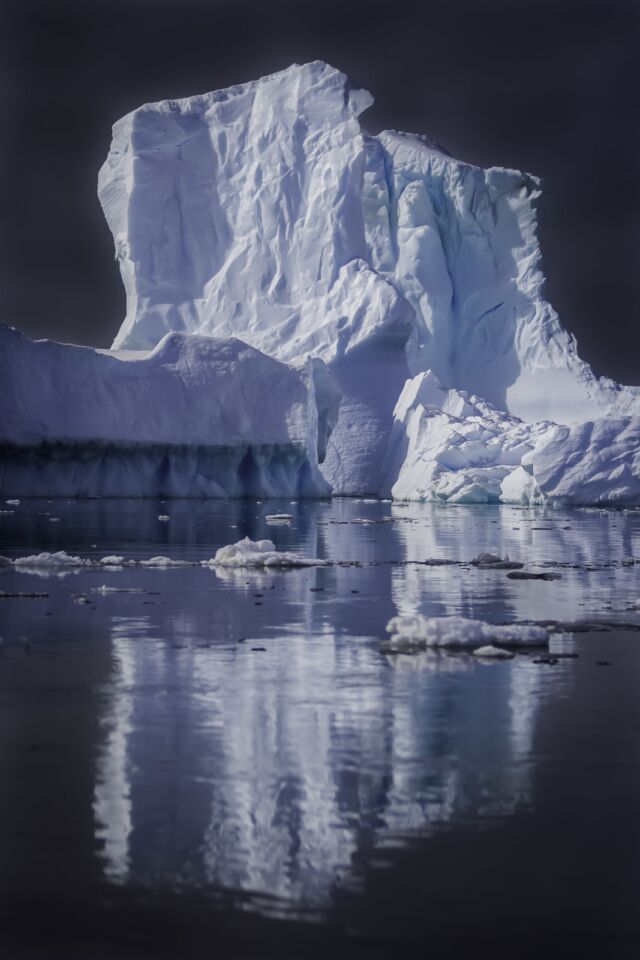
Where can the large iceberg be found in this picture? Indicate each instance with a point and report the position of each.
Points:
(195, 416)
(265, 211)
(378, 268)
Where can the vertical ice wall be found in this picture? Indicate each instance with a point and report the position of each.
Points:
(263, 211)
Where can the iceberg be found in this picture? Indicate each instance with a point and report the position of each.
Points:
(314, 309)
(265, 211)
(194, 417)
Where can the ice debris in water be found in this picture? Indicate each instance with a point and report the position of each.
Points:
(164, 517)
(276, 518)
(12, 503)
(59, 559)
(491, 561)
(493, 653)
(259, 553)
(164, 562)
(113, 560)
(104, 589)
(421, 631)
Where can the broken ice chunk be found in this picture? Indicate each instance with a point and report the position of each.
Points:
(259, 553)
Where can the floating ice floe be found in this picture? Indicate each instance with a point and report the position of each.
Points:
(164, 562)
(275, 518)
(42, 560)
(491, 561)
(259, 553)
(104, 589)
(420, 631)
(493, 653)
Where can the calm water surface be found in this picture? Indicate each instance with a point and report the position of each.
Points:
(213, 763)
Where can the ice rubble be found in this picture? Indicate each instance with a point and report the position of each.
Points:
(449, 445)
(259, 553)
(44, 560)
(196, 416)
(264, 211)
(420, 631)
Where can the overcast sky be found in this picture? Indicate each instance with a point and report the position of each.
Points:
(548, 86)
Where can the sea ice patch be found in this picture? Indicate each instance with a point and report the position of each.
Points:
(420, 631)
(259, 553)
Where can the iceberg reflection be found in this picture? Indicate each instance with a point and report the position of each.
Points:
(269, 770)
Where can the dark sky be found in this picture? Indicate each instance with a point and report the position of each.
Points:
(548, 86)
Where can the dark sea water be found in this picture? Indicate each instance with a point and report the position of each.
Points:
(225, 763)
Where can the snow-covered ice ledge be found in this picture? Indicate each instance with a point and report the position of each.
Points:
(195, 417)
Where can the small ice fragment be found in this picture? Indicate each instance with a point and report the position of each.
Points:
(12, 503)
(259, 553)
(104, 589)
(421, 631)
(164, 517)
(490, 561)
(54, 519)
(111, 561)
(58, 559)
(279, 518)
(494, 653)
(81, 600)
(164, 562)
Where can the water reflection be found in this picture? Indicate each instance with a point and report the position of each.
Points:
(253, 736)
(270, 770)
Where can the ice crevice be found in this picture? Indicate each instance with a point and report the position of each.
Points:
(368, 308)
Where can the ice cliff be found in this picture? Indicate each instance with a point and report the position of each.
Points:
(196, 416)
(265, 212)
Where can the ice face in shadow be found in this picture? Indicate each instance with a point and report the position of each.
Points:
(264, 211)
(196, 416)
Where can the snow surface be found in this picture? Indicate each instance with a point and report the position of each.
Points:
(197, 416)
(259, 553)
(421, 631)
(265, 211)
